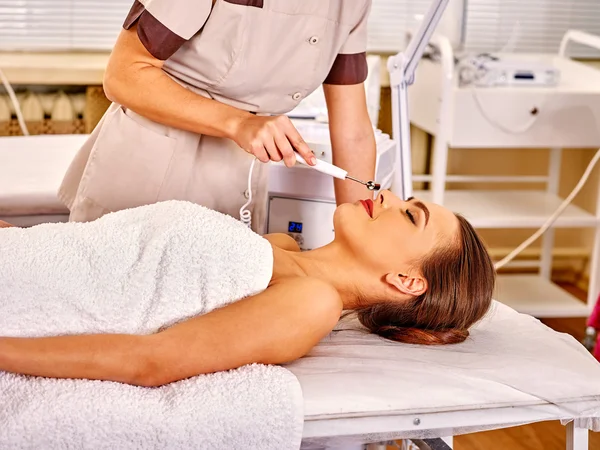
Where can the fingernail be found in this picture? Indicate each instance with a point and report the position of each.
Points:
(313, 160)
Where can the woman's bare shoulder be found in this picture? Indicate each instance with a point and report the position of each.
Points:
(283, 241)
(316, 298)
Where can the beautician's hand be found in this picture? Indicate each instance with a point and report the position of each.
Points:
(272, 138)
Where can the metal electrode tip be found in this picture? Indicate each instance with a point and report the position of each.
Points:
(372, 186)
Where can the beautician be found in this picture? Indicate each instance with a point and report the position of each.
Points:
(199, 88)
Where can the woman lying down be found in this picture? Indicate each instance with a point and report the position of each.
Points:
(159, 293)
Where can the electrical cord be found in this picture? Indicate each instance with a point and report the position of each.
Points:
(495, 123)
(15, 102)
(554, 216)
(245, 214)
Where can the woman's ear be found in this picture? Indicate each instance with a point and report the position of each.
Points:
(409, 285)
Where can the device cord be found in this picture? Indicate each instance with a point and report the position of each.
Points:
(554, 216)
(524, 129)
(245, 214)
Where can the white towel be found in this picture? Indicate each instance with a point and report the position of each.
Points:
(138, 271)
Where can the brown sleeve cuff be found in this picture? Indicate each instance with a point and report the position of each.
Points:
(161, 42)
(255, 3)
(348, 69)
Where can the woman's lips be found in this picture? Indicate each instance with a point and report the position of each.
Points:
(368, 204)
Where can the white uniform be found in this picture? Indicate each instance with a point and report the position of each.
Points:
(262, 56)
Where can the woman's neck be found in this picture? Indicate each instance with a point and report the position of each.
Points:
(332, 264)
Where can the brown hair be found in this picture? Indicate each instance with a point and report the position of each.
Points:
(460, 281)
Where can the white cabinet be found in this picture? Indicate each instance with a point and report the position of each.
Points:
(567, 116)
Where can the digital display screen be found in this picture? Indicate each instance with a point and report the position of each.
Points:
(295, 227)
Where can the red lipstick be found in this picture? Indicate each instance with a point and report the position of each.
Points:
(368, 204)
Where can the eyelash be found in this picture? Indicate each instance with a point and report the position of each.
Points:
(411, 217)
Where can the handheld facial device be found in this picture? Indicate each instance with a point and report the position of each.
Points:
(321, 166)
(336, 172)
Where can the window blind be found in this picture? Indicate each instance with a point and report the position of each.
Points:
(390, 19)
(531, 26)
(489, 25)
(61, 24)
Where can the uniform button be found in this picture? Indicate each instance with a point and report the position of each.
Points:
(297, 96)
(314, 40)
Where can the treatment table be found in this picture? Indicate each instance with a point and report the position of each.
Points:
(513, 370)
(359, 388)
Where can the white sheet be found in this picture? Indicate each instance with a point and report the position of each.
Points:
(511, 362)
(31, 170)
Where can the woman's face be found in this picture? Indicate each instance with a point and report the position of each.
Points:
(392, 235)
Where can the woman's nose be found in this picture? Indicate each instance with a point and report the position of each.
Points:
(385, 198)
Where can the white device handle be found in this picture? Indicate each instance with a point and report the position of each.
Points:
(324, 167)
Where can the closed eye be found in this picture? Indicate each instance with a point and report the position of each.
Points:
(411, 217)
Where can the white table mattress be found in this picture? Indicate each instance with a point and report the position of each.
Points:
(31, 170)
(512, 370)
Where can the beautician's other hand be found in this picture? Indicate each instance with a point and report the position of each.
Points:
(272, 138)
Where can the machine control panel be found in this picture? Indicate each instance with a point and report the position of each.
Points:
(295, 231)
(308, 222)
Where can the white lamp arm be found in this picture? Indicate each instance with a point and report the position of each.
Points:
(408, 59)
(402, 68)
(580, 37)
